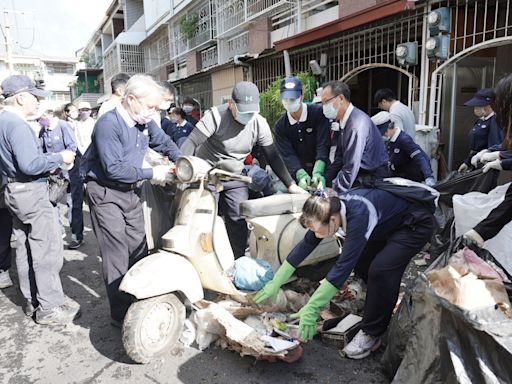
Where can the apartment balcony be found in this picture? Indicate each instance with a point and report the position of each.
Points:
(193, 30)
(122, 58)
(233, 15)
(156, 50)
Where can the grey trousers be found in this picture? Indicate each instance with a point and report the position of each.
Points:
(39, 252)
(118, 223)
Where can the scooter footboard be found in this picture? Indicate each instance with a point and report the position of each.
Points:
(162, 273)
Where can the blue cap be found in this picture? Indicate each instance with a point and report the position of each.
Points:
(483, 97)
(20, 83)
(291, 88)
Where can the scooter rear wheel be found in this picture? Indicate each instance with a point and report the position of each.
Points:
(152, 326)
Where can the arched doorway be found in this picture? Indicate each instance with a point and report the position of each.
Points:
(365, 80)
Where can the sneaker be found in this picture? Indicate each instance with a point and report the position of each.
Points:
(75, 244)
(5, 279)
(361, 346)
(28, 308)
(58, 315)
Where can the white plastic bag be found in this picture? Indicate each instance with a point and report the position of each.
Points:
(473, 207)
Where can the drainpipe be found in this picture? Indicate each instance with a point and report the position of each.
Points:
(287, 66)
(241, 60)
(425, 65)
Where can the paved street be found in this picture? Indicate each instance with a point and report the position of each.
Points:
(91, 351)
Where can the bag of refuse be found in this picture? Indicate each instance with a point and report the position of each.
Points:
(252, 274)
(473, 207)
(432, 340)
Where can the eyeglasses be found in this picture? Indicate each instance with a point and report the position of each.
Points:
(327, 101)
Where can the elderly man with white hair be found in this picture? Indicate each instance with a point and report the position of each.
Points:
(113, 170)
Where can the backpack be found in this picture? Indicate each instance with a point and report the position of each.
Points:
(411, 191)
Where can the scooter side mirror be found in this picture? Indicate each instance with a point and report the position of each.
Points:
(230, 165)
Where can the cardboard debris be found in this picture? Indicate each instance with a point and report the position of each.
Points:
(244, 339)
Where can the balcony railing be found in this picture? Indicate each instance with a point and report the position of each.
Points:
(234, 46)
(232, 14)
(156, 50)
(209, 57)
(123, 58)
(204, 30)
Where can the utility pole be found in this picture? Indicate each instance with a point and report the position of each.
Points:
(8, 41)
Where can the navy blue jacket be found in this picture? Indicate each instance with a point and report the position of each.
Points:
(484, 134)
(407, 159)
(179, 134)
(21, 155)
(117, 150)
(301, 144)
(372, 215)
(360, 147)
(58, 139)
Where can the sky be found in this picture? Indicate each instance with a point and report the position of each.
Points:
(51, 27)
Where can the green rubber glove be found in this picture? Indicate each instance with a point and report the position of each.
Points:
(309, 313)
(303, 179)
(318, 174)
(272, 287)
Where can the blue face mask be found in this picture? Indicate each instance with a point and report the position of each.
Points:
(329, 111)
(243, 118)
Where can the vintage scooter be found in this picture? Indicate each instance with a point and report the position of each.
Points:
(197, 255)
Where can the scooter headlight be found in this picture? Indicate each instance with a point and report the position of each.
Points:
(190, 169)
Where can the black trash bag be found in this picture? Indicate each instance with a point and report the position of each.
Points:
(433, 341)
(57, 188)
(459, 184)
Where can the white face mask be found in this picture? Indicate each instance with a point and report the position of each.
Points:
(165, 105)
(291, 105)
(329, 111)
(144, 116)
(188, 108)
(73, 115)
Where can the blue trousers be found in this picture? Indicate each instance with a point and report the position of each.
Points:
(382, 266)
(5, 239)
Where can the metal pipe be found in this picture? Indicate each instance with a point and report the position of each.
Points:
(287, 65)
(425, 65)
(453, 101)
(8, 42)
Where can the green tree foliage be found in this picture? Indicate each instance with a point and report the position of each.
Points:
(270, 100)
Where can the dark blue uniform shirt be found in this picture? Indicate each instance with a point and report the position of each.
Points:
(179, 133)
(57, 139)
(117, 149)
(304, 142)
(483, 135)
(407, 159)
(372, 215)
(21, 155)
(360, 148)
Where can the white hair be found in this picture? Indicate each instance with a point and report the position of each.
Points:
(142, 86)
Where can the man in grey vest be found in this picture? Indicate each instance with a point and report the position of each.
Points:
(230, 132)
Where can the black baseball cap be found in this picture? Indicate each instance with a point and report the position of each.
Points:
(482, 97)
(20, 83)
(290, 88)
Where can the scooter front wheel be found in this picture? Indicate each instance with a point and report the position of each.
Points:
(152, 326)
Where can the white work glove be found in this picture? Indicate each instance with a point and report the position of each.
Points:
(496, 164)
(335, 126)
(475, 159)
(67, 156)
(490, 156)
(161, 174)
(463, 168)
(430, 181)
(294, 188)
(474, 237)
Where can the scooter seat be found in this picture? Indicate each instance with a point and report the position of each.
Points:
(273, 205)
